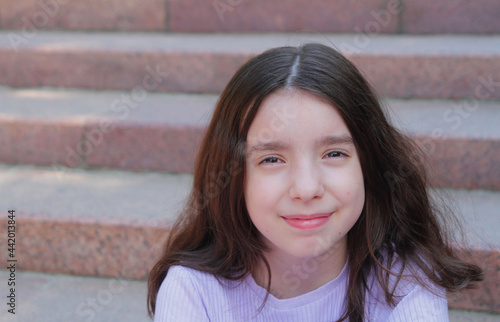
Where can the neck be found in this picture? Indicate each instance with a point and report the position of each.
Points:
(292, 276)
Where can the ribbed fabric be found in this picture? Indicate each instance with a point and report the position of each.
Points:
(190, 295)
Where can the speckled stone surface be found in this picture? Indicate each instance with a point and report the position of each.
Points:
(451, 16)
(430, 76)
(398, 66)
(100, 223)
(459, 138)
(176, 71)
(147, 147)
(375, 16)
(119, 250)
(61, 298)
(39, 142)
(162, 132)
(477, 168)
(88, 15)
(153, 131)
(487, 296)
(471, 316)
(295, 15)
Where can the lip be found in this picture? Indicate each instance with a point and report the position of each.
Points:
(307, 221)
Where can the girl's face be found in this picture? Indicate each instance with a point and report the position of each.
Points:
(304, 185)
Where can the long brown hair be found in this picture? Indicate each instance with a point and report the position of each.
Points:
(214, 233)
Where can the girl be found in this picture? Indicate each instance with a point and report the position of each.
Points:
(307, 205)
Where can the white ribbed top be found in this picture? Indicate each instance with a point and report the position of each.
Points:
(190, 295)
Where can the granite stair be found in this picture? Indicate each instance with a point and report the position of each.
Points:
(162, 131)
(103, 105)
(233, 16)
(403, 66)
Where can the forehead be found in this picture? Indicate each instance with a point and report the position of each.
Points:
(291, 114)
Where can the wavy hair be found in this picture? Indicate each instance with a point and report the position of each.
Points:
(214, 233)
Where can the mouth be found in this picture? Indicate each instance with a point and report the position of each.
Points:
(307, 221)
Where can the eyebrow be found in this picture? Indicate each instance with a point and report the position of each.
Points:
(334, 139)
(282, 145)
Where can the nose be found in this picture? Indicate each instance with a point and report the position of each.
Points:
(306, 182)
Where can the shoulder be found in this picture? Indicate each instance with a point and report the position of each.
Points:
(187, 294)
(421, 304)
(181, 297)
(179, 273)
(416, 298)
(188, 280)
(180, 278)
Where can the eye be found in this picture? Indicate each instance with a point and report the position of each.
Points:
(270, 160)
(335, 154)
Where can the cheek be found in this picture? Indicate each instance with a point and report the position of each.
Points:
(349, 189)
(356, 197)
(354, 188)
(260, 191)
(357, 203)
(262, 194)
(352, 203)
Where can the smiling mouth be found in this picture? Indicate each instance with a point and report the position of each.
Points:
(307, 221)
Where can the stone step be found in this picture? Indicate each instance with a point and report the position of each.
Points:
(34, 15)
(405, 66)
(375, 16)
(102, 223)
(46, 297)
(162, 132)
(471, 316)
(113, 224)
